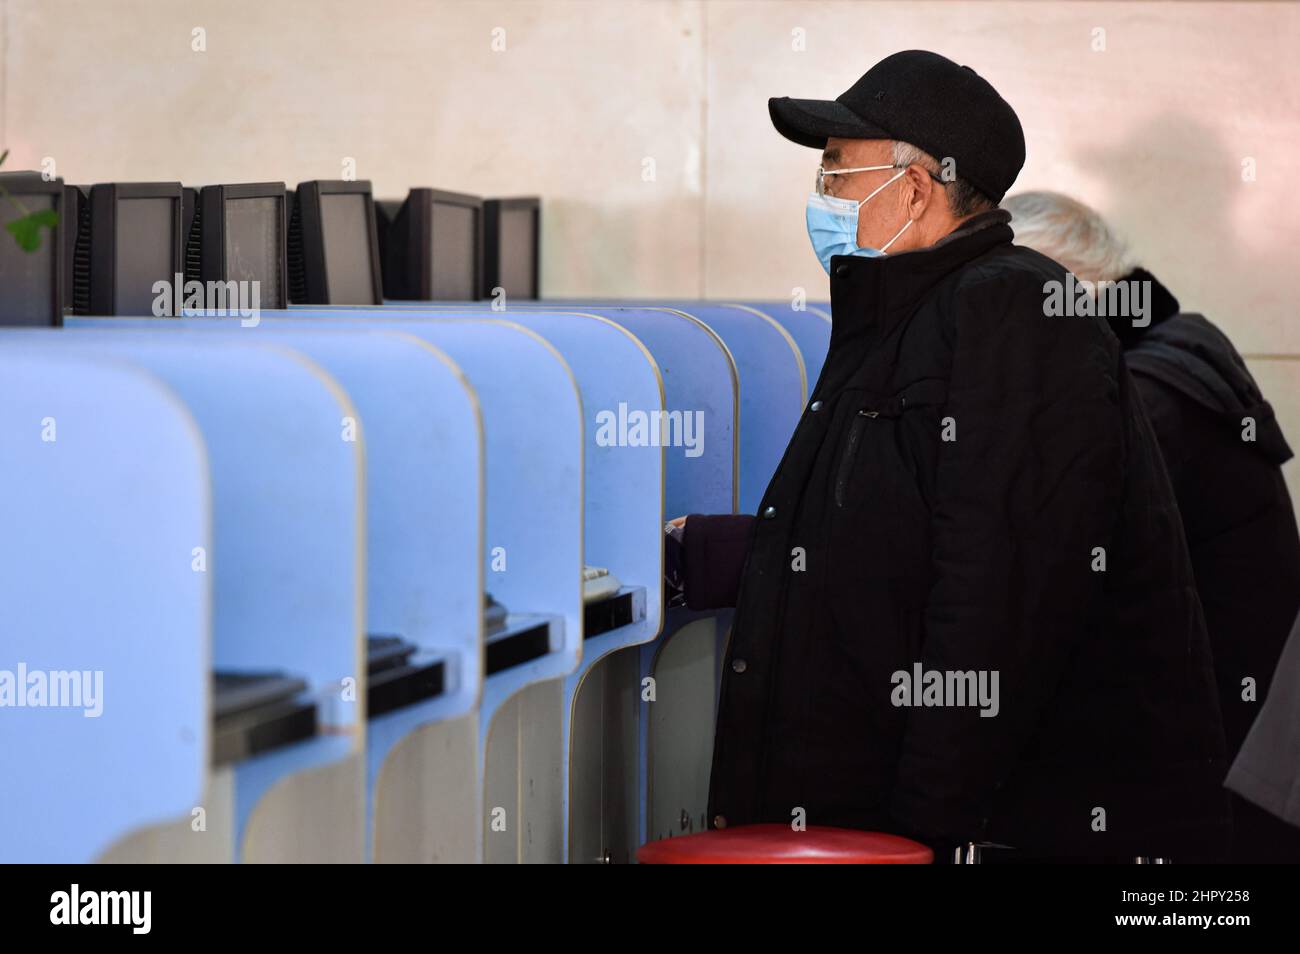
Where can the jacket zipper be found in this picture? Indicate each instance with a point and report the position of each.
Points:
(850, 452)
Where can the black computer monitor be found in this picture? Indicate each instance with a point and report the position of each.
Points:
(132, 239)
(31, 282)
(333, 247)
(239, 234)
(433, 250)
(511, 247)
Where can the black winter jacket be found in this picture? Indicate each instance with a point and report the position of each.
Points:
(973, 488)
(1224, 451)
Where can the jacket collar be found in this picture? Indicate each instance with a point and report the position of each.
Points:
(1163, 307)
(870, 295)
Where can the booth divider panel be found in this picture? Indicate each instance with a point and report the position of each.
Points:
(772, 389)
(810, 329)
(699, 376)
(108, 495)
(287, 550)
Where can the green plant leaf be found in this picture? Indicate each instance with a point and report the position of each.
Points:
(26, 229)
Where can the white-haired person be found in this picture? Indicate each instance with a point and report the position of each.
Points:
(1223, 450)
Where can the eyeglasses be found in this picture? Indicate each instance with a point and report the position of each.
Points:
(822, 173)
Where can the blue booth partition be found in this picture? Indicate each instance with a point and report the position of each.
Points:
(285, 556)
(771, 377)
(533, 449)
(699, 376)
(683, 667)
(104, 673)
(772, 388)
(424, 530)
(770, 382)
(424, 471)
(770, 374)
(810, 327)
(676, 676)
(698, 373)
(626, 431)
(424, 474)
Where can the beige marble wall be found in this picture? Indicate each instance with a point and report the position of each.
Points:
(643, 123)
(580, 95)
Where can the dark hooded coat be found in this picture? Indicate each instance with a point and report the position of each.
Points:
(1224, 452)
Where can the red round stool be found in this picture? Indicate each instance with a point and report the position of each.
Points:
(778, 844)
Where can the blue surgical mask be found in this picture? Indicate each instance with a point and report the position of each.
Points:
(833, 225)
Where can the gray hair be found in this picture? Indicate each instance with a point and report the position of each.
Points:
(1070, 232)
(963, 198)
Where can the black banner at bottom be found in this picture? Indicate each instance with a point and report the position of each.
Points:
(334, 903)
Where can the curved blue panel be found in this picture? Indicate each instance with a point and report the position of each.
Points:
(773, 388)
(699, 378)
(286, 553)
(106, 495)
(809, 327)
(532, 412)
(424, 479)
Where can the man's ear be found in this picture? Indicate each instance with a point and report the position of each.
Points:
(921, 191)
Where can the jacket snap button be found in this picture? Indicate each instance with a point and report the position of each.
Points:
(815, 406)
(769, 513)
(739, 665)
(841, 271)
(719, 821)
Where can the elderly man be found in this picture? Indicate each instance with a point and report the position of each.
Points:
(1224, 452)
(966, 611)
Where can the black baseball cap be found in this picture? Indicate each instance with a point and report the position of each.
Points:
(927, 100)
